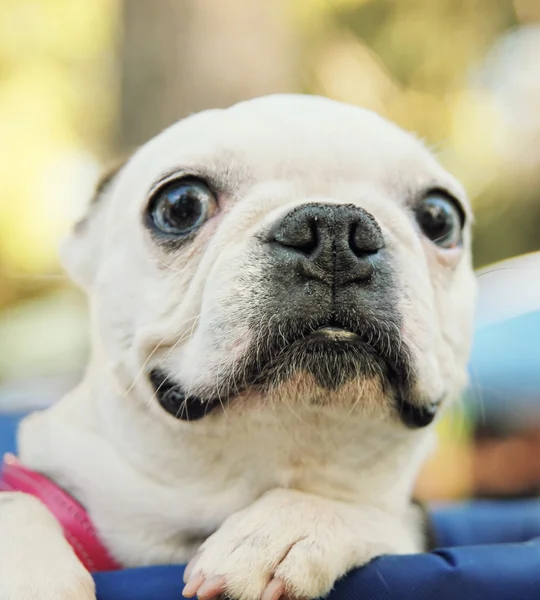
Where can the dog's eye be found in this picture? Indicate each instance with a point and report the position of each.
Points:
(441, 220)
(181, 206)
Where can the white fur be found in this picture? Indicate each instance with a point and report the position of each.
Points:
(292, 491)
(36, 562)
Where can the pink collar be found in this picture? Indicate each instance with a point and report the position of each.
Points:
(75, 521)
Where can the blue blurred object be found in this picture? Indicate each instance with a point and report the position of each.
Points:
(505, 362)
(505, 371)
(8, 432)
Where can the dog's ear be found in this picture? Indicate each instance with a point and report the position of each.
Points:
(80, 253)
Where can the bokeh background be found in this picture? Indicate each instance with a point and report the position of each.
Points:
(82, 82)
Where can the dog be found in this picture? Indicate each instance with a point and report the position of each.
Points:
(281, 298)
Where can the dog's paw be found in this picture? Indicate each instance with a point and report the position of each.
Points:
(287, 543)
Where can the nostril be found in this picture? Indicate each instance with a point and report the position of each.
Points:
(300, 235)
(363, 240)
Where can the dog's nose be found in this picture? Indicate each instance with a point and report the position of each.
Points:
(337, 238)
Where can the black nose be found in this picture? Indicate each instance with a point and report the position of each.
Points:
(340, 239)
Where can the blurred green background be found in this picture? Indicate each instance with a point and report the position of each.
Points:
(83, 81)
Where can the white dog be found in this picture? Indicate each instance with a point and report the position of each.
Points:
(281, 297)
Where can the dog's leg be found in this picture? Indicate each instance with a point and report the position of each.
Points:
(36, 561)
(293, 544)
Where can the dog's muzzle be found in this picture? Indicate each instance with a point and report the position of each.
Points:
(331, 299)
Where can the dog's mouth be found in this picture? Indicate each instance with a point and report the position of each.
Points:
(174, 400)
(332, 353)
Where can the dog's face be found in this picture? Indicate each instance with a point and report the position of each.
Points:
(288, 249)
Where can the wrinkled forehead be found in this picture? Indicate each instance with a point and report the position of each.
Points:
(299, 139)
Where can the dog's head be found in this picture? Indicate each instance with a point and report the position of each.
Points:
(287, 249)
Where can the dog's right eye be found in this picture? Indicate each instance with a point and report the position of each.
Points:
(179, 207)
(441, 220)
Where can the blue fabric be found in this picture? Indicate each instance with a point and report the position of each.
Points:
(489, 551)
(8, 430)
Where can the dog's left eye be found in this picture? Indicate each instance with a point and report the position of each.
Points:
(441, 220)
(181, 206)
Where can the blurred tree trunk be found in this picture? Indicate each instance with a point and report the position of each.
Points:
(182, 56)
